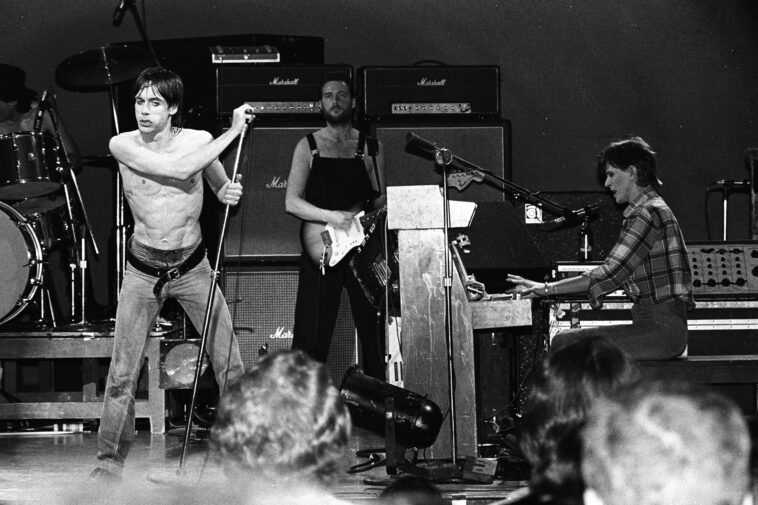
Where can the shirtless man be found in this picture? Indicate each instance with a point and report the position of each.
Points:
(162, 166)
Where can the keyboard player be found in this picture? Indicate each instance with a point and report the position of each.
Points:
(648, 262)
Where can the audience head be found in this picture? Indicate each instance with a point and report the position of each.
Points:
(566, 383)
(283, 418)
(659, 443)
(411, 490)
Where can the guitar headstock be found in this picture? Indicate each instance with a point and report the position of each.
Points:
(460, 180)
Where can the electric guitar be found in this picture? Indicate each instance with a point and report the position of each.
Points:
(460, 180)
(326, 245)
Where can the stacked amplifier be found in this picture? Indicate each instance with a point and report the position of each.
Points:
(261, 244)
(455, 107)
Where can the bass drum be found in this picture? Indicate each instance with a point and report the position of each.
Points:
(20, 263)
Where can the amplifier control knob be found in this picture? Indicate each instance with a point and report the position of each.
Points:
(740, 281)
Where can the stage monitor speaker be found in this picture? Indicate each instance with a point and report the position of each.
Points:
(262, 304)
(485, 144)
(259, 229)
(562, 243)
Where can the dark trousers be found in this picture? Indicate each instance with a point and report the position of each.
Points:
(318, 300)
(658, 331)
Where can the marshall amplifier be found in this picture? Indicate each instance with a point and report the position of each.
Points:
(272, 90)
(471, 91)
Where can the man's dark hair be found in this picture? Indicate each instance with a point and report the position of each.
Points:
(339, 76)
(630, 151)
(168, 84)
(565, 385)
(13, 88)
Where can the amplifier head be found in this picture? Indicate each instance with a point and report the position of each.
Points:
(284, 90)
(471, 91)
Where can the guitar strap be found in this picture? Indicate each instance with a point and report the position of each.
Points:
(312, 144)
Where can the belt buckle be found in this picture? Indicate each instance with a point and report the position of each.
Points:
(173, 274)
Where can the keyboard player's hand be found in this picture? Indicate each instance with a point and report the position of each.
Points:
(524, 287)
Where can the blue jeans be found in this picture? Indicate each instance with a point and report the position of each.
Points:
(658, 331)
(137, 311)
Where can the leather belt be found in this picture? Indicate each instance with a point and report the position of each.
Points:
(165, 275)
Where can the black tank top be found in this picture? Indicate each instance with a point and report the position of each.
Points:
(337, 183)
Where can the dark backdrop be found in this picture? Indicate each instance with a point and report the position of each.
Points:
(574, 76)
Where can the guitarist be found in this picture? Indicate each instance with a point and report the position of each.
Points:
(332, 179)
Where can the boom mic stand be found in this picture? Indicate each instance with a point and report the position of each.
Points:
(209, 305)
(443, 158)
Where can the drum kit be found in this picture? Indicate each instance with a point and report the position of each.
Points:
(41, 209)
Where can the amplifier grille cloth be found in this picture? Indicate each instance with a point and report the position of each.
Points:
(262, 304)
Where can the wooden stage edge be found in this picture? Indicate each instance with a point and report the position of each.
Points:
(53, 469)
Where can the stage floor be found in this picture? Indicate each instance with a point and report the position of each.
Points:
(45, 467)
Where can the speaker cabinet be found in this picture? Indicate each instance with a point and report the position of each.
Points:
(262, 304)
(259, 228)
(485, 144)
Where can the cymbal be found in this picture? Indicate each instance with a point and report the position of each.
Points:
(102, 67)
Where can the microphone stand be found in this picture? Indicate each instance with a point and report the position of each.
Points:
(208, 307)
(443, 158)
(142, 31)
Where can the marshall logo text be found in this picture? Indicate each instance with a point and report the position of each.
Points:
(281, 332)
(278, 81)
(277, 183)
(431, 82)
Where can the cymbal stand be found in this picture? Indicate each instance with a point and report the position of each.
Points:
(208, 307)
(120, 222)
(68, 176)
(46, 310)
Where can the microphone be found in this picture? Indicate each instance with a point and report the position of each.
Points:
(412, 139)
(442, 156)
(43, 105)
(729, 183)
(573, 216)
(118, 14)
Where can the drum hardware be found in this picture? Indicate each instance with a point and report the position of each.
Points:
(96, 70)
(80, 229)
(50, 223)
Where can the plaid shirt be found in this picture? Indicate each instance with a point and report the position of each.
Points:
(649, 261)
